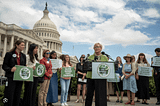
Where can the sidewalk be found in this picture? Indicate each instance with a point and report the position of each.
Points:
(112, 102)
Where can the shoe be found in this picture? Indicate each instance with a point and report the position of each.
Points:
(158, 103)
(128, 103)
(143, 102)
(121, 101)
(65, 104)
(62, 104)
(77, 101)
(117, 100)
(108, 100)
(137, 101)
(82, 100)
(132, 103)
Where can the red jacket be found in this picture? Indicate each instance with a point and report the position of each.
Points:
(48, 67)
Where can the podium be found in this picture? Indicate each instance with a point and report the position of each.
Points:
(100, 72)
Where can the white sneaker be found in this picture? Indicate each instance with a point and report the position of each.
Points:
(65, 104)
(62, 104)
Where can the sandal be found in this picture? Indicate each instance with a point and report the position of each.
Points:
(128, 103)
(77, 101)
(132, 103)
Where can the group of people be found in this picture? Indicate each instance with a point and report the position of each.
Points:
(48, 92)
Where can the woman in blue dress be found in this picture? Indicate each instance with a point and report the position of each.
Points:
(52, 96)
(129, 81)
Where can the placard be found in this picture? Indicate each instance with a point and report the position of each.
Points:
(103, 70)
(56, 63)
(156, 61)
(40, 70)
(23, 73)
(116, 79)
(145, 71)
(67, 72)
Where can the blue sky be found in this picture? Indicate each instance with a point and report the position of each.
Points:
(121, 26)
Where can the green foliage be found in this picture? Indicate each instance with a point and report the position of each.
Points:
(2, 88)
(152, 86)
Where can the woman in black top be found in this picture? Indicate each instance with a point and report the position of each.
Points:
(81, 79)
(13, 88)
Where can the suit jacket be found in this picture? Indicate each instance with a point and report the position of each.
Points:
(10, 61)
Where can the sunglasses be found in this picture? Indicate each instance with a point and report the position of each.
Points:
(48, 53)
(97, 47)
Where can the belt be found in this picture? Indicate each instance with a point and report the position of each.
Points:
(128, 72)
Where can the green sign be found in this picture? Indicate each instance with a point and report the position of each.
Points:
(145, 71)
(40, 70)
(67, 72)
(23, 73)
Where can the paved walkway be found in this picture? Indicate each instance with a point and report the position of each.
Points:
(112, 102)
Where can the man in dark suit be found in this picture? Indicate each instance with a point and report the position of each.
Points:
(157, 76)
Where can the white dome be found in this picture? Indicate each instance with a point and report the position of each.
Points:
(45, 22)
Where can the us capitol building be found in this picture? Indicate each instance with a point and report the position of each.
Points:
(44, 34)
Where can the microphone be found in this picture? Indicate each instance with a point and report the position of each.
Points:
(95, 58)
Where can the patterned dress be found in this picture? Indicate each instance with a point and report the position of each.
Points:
(130, 83)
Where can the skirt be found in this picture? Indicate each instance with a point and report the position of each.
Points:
(130, 84)
(52, 96)
(143, 87)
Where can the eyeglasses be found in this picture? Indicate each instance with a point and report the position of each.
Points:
(97, 47)
(48, 53)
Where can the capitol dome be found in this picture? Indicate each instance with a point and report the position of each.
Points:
(46, 29)
(45, 22)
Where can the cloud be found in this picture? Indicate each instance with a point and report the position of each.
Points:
(105, 21)
(151, 13)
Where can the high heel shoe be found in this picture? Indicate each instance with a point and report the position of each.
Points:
(77, 101)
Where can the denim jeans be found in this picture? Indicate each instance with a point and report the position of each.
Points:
(64, 89)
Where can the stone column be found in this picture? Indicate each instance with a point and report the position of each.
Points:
(52, 46)
(41, 53)
(12, 42)
(5, 46)
(0, 40)
(55, 46)
(26, 47)
(49, 45)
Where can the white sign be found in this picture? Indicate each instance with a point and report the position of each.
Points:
(116, 79)
(145, 71)
(156, 61)
(56, 63)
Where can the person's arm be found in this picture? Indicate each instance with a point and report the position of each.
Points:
(123, 70)
(5, 65)
(133, 69)
(46, 72)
